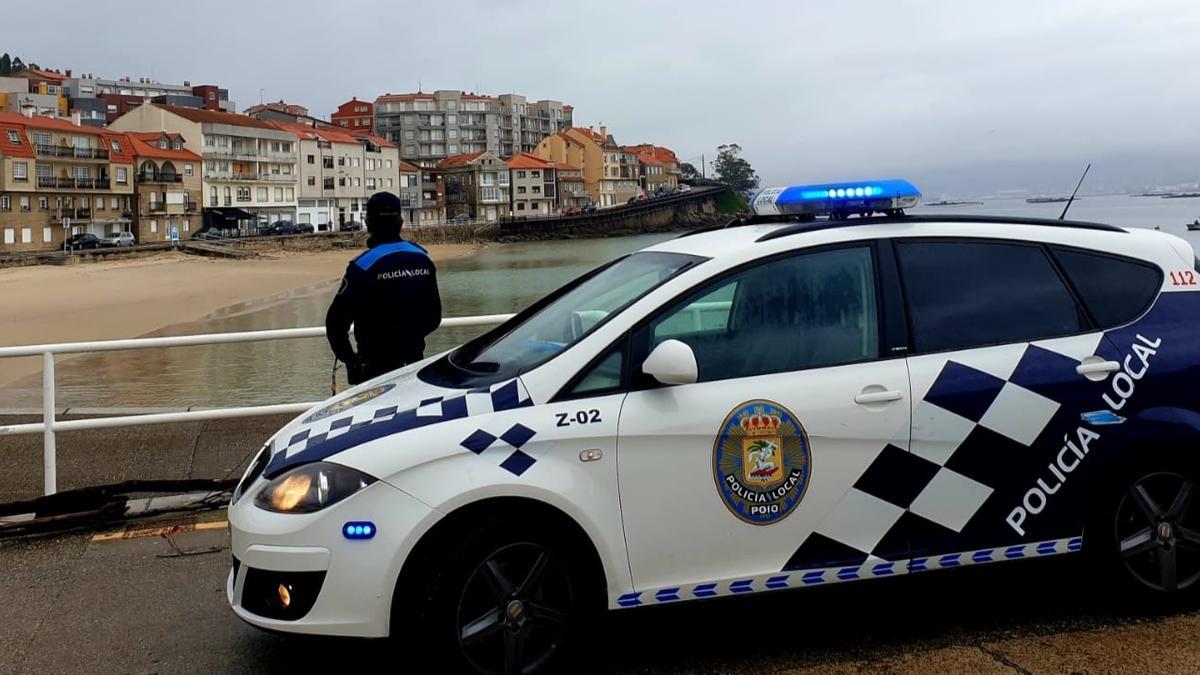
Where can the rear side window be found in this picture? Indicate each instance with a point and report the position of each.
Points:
(970, 294)
(1115, 290)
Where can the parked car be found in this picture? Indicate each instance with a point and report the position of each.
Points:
(590, 208)
(684, 187)
(305, 228)
(282, 227)
(632, 200)
(351, 226)
(81, 241)
(629, 439)
(118, 239)
(572, 211)
(642, 198)
(461, 218)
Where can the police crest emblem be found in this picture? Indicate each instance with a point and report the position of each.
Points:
(761, 462)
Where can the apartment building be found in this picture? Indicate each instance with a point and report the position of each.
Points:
(658, 166)
(533, 186)
(431, 127)
(433, 196)
(409, 192)
(477, 185)
(355, 115)
(250, 166)
(338, 173)
(168, 187)
(610, 174)
(58, 178)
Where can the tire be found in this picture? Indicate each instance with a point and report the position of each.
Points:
(500, 598)
(1147, 535)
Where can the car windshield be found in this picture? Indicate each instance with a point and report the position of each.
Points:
(572, 314)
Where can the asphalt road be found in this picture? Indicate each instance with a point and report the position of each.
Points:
(149, 604)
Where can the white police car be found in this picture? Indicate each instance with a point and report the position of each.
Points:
(782, 403)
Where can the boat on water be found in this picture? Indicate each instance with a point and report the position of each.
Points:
(1048, 200)
(1194, 225)
(1182, 195)
(955, 202)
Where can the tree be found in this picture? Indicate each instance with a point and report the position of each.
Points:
(733, 171)
(5, 64)
(17, 65)
(689, 171)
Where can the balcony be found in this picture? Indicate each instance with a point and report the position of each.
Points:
(68, 152)
(242, 154)
(73, 183)
(282, 177)
(158, 207)
(159, 178)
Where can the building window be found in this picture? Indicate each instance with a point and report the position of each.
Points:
(327, 162)
(389, 182)
(14, 138)
(5, 203)
(370, 183)
(26, 235)
(212, 196)
(490, 194)
(262, 194)
(535, 174)
(122, 176)
(43, 204)
(312, 180)
(341, 182)
(279, 194)
(187, 169)
(25, 204)
(291, 194)
(20, 171)
(312, 159)
(154, 226)
(99, 203)
(520, 206)
(355, 161)
(327, 184)
(162, 145)
(342, 160)
(357, 182)
(520, 189)
(9, 236)
(520, 174)
(536, 189)
(47, 235)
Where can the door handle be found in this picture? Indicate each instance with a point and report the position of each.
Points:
(1097, 367)
(878, 397)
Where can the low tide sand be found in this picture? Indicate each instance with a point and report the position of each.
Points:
(107, 300)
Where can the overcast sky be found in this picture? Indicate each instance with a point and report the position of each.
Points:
(965, 96)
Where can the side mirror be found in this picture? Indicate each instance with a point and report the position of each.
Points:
(672, 362)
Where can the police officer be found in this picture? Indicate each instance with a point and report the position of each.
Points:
(389, 293)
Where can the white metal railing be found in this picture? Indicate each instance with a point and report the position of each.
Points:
(49, 424)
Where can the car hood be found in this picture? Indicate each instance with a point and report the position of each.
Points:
(385, 406)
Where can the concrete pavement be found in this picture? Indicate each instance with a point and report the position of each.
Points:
(149, 604)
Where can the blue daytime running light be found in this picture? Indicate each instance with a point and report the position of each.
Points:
(359, 530)
(876, 196)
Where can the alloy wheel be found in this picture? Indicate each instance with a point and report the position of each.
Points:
(1158, 532)
(514, 611)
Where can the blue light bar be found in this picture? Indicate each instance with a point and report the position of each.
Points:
(863, 197)
(359, 530)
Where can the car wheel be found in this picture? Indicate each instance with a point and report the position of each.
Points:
(1151, 541)
(504, 601)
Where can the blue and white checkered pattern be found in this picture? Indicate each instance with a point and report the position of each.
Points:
(1005, 391)
(361, 424)
(871, 569)
(517, 435)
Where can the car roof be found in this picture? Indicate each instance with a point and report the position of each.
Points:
(753, 237)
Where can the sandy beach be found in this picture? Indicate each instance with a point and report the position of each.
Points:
(120, 299)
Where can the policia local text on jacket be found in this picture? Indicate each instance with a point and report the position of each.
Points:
(390, 295)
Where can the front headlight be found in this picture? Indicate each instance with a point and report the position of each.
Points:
(311, 487)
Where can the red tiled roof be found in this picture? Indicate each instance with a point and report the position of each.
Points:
(39, 74)
(377, 140)
(404, 97)
(215, 117)
(528, 161)
(125, 154)
(588, 133)
(23, 149)
(41, 122)
(146, 145)
(308, 133)
(405, 167)
(460, 160)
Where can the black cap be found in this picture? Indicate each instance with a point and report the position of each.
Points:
(384, 213)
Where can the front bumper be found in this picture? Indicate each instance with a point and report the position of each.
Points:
(352, 580)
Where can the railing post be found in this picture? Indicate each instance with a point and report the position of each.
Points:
(49, 450)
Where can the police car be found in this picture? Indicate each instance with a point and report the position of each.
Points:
(793, 400)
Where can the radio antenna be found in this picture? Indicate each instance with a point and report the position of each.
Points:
(1072, 199)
